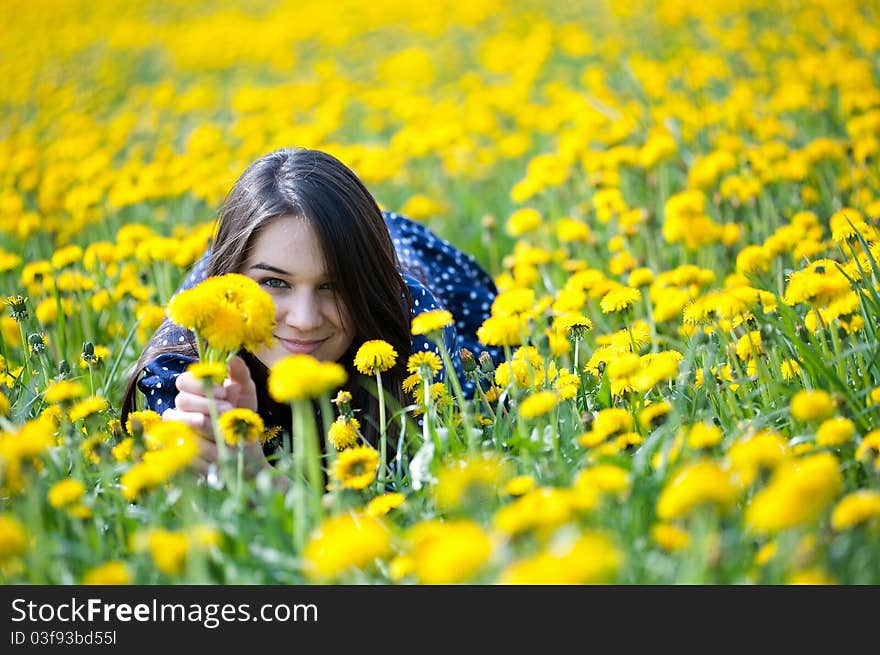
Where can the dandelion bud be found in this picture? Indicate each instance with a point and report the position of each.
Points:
(467, 360)
(486, 364)
(343, 402)
(88, 351)
(64, 368)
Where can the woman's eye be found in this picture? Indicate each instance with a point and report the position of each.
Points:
(273, 282)
(327, 286)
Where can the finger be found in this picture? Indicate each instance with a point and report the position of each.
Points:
(189, 383)
(196, 420)
(208, 450)
(240, 387)
(238, 371)
(190, 402)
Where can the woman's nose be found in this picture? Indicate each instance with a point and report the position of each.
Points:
(304, 312)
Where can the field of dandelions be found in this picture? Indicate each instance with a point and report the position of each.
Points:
(678, 201)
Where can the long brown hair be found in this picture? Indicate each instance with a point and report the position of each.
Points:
(357, 249)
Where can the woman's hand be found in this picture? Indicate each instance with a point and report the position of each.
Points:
(192, 407)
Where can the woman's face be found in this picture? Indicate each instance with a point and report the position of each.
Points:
(286, 260)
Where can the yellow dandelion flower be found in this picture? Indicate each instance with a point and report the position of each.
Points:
(752, 454)
(790, 369)
(121, 452)
(640, 277)
(846, 223)
(544, 507)
(355, 468)
(503, 330)
(412, 384)
(835, 432)
(426, 363)
(811, 576)
(569, 230)
(299, 377)
(269, 434)
(449, 552)
(346, 541)
(654, 415)
(381, 505)
(168, 550)
(573, 324)
(66, 493)
(869, 447)
(86, 407)
(669, 536)
(522, 221)
(567, 384)
(700, 483)
(115, 572)
(513, 302)
(814, 405)
(63, 391)
(749, 345)
(612, 420)
(519, 485)
(141, 421)
(766, 553)
(590, 558)
(798, 492)
(704, 435)
(856, 508)
(431, 321)
(344, 432)
(538, 404)
(229, 311)
(619, 299)
(375, 356)
(241, 425)
(214, 372)
(13, 539)
(605, 477)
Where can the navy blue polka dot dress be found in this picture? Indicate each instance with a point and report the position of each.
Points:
(453, 280)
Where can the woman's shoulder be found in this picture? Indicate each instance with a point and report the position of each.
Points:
(424, 299)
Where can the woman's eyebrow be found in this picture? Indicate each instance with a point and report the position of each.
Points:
(269, 267)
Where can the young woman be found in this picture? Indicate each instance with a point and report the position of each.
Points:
(340, 271)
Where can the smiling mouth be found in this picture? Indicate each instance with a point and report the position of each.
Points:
(300, 346)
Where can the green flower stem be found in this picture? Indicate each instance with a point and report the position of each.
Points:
(329, 448)
(300, 521)
(307, 468)
(839, 359)
(459, 395)
(25, 346)
(239, 470)
(383, 436)
(428, 431)
(649, 311)
(484, 398)
(222, 451)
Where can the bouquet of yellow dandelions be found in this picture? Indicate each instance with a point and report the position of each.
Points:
(226, 313)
